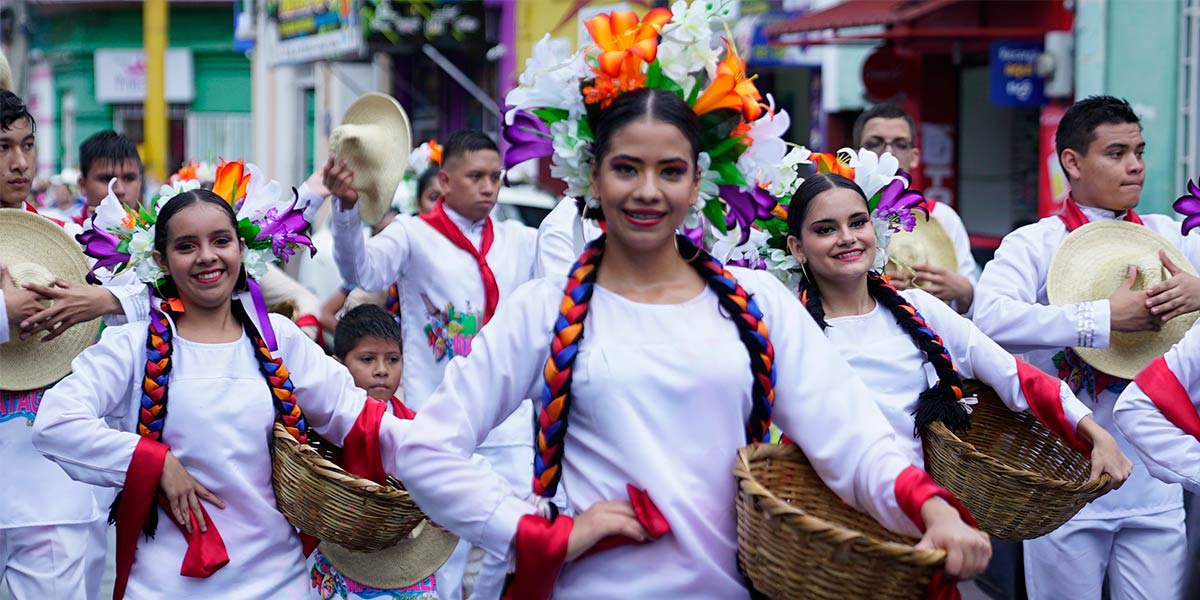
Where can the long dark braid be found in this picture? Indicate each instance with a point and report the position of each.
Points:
(551, 424)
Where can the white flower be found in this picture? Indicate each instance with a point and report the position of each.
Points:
(783, 265)
(687, 48)
(419, 158)
(871, 171)
(148, 271)
(110, 214)
(883, 237)
(761, 160)
(726, 248)
(551, 80)
(787, 175)
(262, 195)
(168, 191)
(141, 255)
(709, 180)
(206, 171)
(572, 159)
(256, 262)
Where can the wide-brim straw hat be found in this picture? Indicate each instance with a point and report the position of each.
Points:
(1091, 264)
(405, 564)
(927, 244)
(6, 76)
(38, 251)
(375, 139)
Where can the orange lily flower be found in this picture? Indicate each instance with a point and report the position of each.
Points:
(605, 89)
(622, 38)
(831, 163)
(185, 172)
(231, 180)
(435, 152)
(731, 88)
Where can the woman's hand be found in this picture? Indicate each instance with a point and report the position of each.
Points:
(1107, 457)
(600, 521)
(182, 494)
(967, 549)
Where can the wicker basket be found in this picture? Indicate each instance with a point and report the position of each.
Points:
(324, 501)
(787, 551)
(1019, 481)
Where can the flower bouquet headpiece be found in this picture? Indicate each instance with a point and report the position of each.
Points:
(425, 156)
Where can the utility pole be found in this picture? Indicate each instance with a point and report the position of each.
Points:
(154, 35)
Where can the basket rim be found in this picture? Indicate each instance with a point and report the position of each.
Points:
(809, 521)
(331, 472)
(967, 449)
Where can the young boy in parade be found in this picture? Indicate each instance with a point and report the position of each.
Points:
(911, 349)
(451, 267)
(888, 127)
(1137, 529)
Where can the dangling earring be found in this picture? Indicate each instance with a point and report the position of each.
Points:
(804, 271)
(591, 201)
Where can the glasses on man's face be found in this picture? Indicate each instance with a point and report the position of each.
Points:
(875, 144)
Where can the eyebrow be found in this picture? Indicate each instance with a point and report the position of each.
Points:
(640, 161)
(212, 233)
(833, 220)
(5, 138)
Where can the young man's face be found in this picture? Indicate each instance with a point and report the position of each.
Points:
(892, 135)
(18, 161)
(470, 183)
(128, 188)
(1111, 174)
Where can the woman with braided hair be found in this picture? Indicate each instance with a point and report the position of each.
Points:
(660, 365)
(178, 415)
(910, 348)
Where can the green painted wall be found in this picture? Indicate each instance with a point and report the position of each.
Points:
(1114, 56)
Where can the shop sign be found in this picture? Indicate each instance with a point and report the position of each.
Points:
(1013, 78)
(1052, 182)
(440, 22)
(121, 75)
(311, 30)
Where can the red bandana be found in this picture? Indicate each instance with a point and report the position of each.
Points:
(1074, 218)
(438, 220)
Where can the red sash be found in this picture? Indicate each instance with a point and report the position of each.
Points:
(1074, 218)
(30, 208)
(438, 220)
(1167, 393)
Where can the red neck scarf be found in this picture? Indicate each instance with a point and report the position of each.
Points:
(1072, 216)
(439, 220)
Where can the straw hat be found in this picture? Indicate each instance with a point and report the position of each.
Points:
(402, 565)
(6, 76)
(38, 251)
(927, 244)
(375, 138)
(1091, 263)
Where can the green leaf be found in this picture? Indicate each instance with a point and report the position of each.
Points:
(730, 175)
(695, 93)
(714, 211)
(654, 75)
(123, 246)
(715, 126)
(725, 146)
(551, 115)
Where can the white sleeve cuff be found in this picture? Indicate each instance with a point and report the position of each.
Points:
(1073, 408)
(135, 304)
(344, 217)
(1092, 324)
(310, 201)
(501, 528)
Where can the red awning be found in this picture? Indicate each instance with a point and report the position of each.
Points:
(859, 13)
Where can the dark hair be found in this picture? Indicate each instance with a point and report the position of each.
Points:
(364, 321)
(107, 145)
(1077, 129)
(938, 403)
(426, 179)
(882, 111)
(169, 210)
(466, 141)
(13, 109)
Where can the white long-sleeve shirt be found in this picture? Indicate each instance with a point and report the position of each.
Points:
(561, 238)
(897, 372)
(1012, 308)
(1167, 451)
(661, 396)
(220, 416)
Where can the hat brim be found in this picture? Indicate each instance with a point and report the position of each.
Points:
(1091, 263)
(26, 237)
(376, 176)
(928, 244)
(399, 566)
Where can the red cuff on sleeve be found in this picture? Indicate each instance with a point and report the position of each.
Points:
(541, 551)
(1042, 393)
(1166, 392)
(913, 487)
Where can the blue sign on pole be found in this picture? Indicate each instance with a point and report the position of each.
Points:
(1013, 80)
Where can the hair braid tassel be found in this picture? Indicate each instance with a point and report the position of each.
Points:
(281, 390)
(564, 347)
(153, 412)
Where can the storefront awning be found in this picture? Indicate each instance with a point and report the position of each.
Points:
(859, 13)
(915, 19)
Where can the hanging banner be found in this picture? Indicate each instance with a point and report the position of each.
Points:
(121, 75)
(312, 30)
(443, 23)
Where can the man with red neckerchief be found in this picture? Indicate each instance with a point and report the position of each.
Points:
(1134, 535)
(451, 266)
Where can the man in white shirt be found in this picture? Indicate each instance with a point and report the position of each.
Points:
(887, 128)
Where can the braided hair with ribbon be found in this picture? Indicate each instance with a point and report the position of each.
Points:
(739, 305)
(941, 401)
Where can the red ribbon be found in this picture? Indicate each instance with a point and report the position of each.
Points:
(913, 488)
(1042, 392)
(1074, 218)
(440, 221)
(312, 321)
(206, 551)
(648, 515)
(31, 208)
(1164, 389)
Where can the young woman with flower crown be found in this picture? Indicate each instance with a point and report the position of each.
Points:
(178, 414)
(910, 348)
(651, 333)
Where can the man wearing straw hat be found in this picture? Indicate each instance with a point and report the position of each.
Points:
(946, 268)
(1092, 295)
(451, 266)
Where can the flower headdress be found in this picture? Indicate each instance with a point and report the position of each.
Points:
(122, 238)
(199, 171)
(424, 156)
(744, 162)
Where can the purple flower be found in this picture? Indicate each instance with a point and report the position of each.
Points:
(1189, 207)
(528, 137)
(102, 246)
(746, 206)
(285, 231)
(896, 203)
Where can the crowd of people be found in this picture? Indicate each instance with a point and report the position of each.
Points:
(565, 402)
